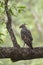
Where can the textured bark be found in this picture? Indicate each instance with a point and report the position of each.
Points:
(17, 54)
(9, 25)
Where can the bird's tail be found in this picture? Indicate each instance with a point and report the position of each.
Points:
(30, 46)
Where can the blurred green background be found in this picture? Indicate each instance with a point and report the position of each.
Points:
(29, 12)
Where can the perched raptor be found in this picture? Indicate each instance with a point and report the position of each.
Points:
(26, 36)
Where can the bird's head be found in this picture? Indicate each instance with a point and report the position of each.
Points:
(22, 26)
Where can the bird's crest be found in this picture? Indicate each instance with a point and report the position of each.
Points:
(22, 26)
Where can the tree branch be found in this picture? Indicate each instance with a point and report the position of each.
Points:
(17, 54)
(9, 26)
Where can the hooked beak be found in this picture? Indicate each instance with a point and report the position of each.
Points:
(20, 26)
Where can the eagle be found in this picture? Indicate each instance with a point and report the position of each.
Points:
(26, 36)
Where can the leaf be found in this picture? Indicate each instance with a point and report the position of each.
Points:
(1, 4)
(1, 41)
(11, 12)
(1, 34)
(21, 7)
(19, 11)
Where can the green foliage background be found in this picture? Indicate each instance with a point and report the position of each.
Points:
(29, 12)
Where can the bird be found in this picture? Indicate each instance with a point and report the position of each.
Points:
(26, 36)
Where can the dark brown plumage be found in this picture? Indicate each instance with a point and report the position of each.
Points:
(26, 36)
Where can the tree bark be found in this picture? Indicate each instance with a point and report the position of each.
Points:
(9, 25)
(17, 54)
